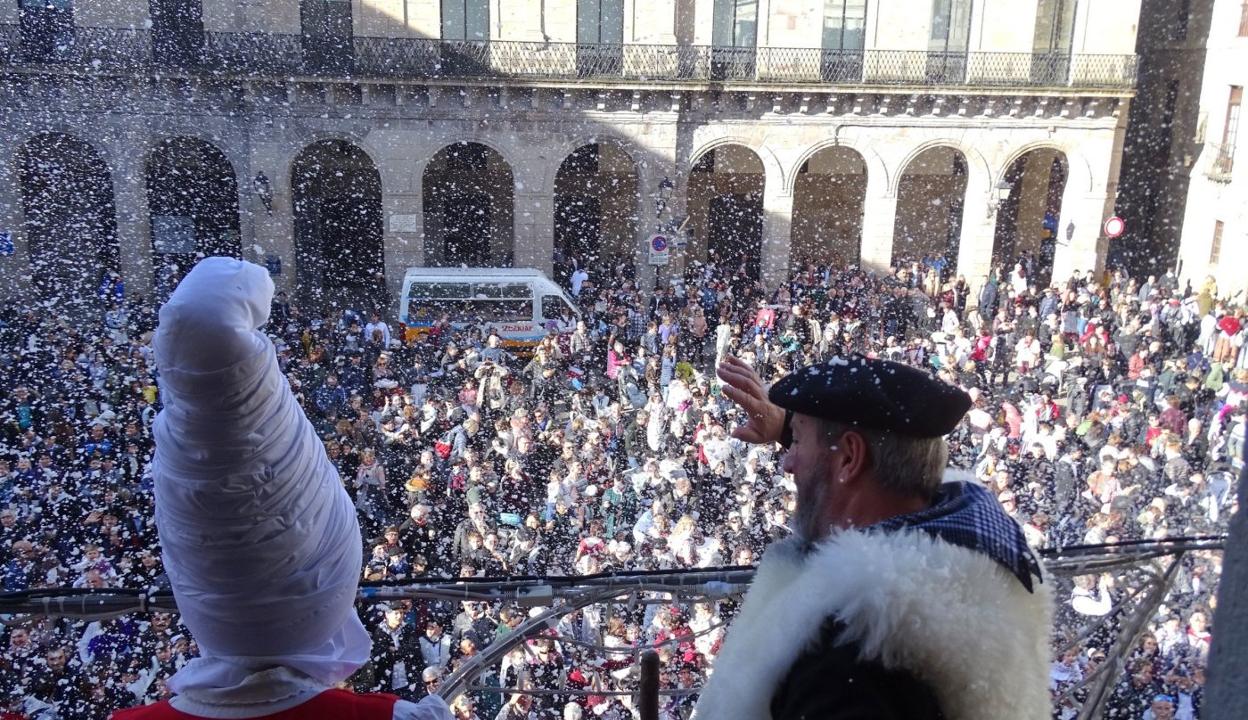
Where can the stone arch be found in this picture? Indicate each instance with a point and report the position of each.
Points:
(725, 204)
(1027, 220)
(773, 169)
(314, 137)
(339, 239)
(192, 199)
(596, 197)
(468, 197)
(829, 197)
(561, 153)
(874, 162)
(1077, 164)
(975, 160)
(931, 196)
(69, 217)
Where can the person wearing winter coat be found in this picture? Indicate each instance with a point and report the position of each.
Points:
(904, 593)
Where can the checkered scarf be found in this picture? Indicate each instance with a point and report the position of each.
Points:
(967, 515)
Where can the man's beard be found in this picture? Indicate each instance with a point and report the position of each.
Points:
(807, 523)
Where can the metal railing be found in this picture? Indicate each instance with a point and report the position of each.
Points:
(267, 54)
(1221, 162)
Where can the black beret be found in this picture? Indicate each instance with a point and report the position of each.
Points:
(873, 394)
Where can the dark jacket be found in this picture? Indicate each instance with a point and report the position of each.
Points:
(829, 682)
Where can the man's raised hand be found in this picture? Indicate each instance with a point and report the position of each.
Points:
(743, 386)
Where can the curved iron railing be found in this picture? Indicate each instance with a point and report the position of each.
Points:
(267, 54)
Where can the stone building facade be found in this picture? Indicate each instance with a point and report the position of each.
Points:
(1214, 240)
(339, 142)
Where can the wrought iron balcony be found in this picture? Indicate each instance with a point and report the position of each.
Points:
(267, 54)
(1221, 162)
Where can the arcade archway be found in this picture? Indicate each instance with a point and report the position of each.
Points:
(339, 255)
(69, 218)
(1027, 220)
(192, 198)
(828, 197)
(596, 208)
(469, 203)
(930, 199)
(725, 205)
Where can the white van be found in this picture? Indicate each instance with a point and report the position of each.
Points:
(522, 305)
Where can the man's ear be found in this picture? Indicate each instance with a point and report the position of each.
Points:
(857, 457)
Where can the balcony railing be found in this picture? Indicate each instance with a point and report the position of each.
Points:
(1221, 162)
(266, 54)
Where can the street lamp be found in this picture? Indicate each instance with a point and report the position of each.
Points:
(1001, 193)
(666, 186)
(264, 190)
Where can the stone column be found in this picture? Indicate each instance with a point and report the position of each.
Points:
(1085, 250)
(15, 268)
(134, 227)
(879, 214)
(248, 207)
(647, 191)
(979, 226)
(275, 231)
(777, 231)
(534, 228)
(403, 243)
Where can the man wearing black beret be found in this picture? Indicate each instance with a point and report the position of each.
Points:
(904, 592)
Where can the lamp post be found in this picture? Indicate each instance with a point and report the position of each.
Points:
(666, 187)
(264, 190)
(1001, 193)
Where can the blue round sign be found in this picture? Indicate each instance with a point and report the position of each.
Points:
(659, 243)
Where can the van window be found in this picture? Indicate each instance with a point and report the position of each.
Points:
(426, 301)
(513, 291)
(439, 291)
(507, 310)
(552, 307)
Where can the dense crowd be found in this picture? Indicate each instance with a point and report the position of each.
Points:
(1105, 408)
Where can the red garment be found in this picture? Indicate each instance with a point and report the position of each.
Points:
(982, 345)
(765, 318)
(337, 704)
(1174, 420)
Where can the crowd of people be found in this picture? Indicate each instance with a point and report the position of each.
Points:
(1106, 408)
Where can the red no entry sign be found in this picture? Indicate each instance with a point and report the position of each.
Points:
(1114, 226)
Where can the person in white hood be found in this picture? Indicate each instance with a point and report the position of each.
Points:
(259, 538)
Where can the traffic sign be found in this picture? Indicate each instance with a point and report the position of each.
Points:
(660, 247)
(1114, 226)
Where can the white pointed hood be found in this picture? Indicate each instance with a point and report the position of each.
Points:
(259, 537)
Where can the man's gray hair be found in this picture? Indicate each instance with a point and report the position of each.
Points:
(902, 464)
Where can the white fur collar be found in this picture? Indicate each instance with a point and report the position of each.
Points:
(953, 617)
